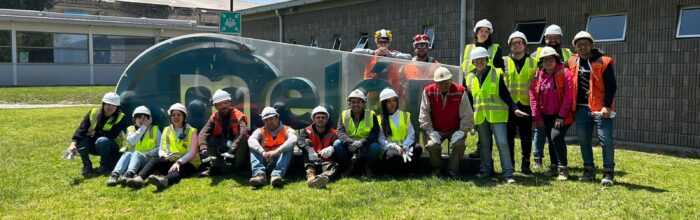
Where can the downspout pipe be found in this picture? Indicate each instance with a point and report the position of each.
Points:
(281, 24)
(462, 29)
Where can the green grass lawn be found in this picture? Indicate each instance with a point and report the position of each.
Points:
(36, 184)
(53, 94)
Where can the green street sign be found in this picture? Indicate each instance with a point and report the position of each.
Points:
(230, 23)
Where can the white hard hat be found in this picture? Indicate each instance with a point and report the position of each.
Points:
(319, 109)
(357, 93)
(111, 98)
(517, 34)
(553, 29)
(383, 33)
(478, 52)
(421, 39)
(582, 35)
(179, 107)
(387, 94)
(483, 23)
(141, 110)
(441, 74)
(548, 51)
(220, 96)
(268, 112)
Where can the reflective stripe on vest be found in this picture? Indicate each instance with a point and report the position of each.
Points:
(147, 141)
(467, 65)
(269, 143)
(398, 134)
(363, 128)
(108, 125)
(519, 82)
(173, 144)
(488, 105)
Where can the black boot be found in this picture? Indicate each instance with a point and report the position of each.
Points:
(525, 167)
(608, 177)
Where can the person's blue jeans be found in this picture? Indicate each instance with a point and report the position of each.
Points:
(344, 155)
(278, 165)
(486, 133)
(130, 162)
(539, 140)
(584, 129)
(103, 146)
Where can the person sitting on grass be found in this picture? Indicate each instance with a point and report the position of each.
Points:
(316, 143)
(271, 147)
(143, 139)
(398, 138)
(178, 156)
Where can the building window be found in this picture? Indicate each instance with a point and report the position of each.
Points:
(430, 31)
(362, 43)
(337, 42)
(607, 28)
(292, 41)
(533, 30)
(689, 23)
(110, 49)
(5, 46)
(39, 47)
(314, 42)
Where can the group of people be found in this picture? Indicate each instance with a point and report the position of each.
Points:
(501, 97)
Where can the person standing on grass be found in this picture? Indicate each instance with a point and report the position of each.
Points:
(445, 114)
(100, 133)
(178, 156)
(271, 147)
(316, 145)
(492, 105)
(224, 136)
(397, 136)
(551, 96)
(594, 90)
(144, 141)
(358, 136)
(518, 75)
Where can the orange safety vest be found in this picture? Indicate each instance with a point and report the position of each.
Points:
(270, 143)
(559, 78)
(596, 91)
(234, 118)
(318, 142)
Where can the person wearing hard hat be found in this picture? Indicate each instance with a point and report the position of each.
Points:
(482, 34)
(553, 37)
(178, 156)
(224, 136)
(100, 133)
(271, 147)
(316, 143)
(492, 105)
(518, 75)
(421, 46)
(418, 69)
(594, 91)
(358, 134)
(144, 140)
(383, 39)
(397, 136)
(445, 114)
(551, 96)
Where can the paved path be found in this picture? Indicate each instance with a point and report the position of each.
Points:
(20, 106)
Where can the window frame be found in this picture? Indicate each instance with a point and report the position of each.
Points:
(680, 20)
(362, 36)
(53, 48)
(624, 28)
(432, 38)
(96, 49)
(544, 28)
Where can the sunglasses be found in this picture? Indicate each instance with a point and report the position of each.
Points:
(421, 46)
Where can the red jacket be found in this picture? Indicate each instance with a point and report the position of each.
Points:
(445, 119)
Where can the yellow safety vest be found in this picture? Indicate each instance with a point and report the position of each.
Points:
(488, 105)
(107, 126)
(173, 144)
(148, 140)
(519, 82)
(467, 65)
(398, 134)
(363, 128)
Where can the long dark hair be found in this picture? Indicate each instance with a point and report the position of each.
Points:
(386, 127)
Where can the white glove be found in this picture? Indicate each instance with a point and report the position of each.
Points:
(313, 156)
(327, 152)
(435, 137)
(407, 153)
(456, 136)
(394, 146)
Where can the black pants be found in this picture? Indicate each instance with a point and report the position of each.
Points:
(395, 163)
(217, 146)
(557, 151)
(524, 130)
(155, 165)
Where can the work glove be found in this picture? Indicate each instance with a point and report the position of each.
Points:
(407, 153)
(327, 152)
(313, 156)
(435, 137)
(393, 146)
(354, 146)
(68, 155)
(456, 136)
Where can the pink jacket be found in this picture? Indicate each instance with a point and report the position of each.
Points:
(545, 95)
